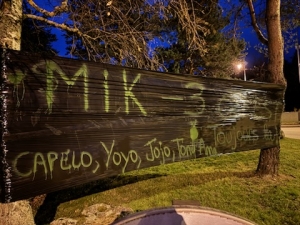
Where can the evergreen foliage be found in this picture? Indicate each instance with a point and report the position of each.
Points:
(292, 93)
(221, 50)
(36, 37)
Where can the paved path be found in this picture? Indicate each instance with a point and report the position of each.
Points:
(291, 131)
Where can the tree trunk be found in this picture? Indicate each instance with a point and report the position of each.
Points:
(269, 158)
(268, 162)
(10, 24)
(17, 213)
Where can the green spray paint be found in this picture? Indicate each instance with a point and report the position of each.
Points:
(50, 85)
(196, 97)
(15, 163)
(41, 162)
(129, 93)
(52, 156)
(193, 131)
(83, 71)
(108, 151)
(97, 167)
(16, 79)
(64, 161)
(106, 91)
(51, 81)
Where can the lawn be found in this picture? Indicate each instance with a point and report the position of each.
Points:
(226, 182)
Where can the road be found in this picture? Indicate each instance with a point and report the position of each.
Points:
(291, 131)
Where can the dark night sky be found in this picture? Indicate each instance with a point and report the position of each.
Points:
(248, 34)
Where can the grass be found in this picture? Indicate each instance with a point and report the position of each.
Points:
(224, 182)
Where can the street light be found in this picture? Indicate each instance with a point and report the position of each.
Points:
(241, 66)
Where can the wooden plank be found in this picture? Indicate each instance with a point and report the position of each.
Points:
(69, 122)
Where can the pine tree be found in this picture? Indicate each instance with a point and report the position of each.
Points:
(35, 36)
(221, 50)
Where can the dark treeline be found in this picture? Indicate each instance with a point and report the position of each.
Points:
(292, 93)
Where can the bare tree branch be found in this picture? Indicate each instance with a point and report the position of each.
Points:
(57, 10)
(118, 30)
(259, 34)
(53, 24)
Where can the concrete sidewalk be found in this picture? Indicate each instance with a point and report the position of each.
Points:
(291, 131)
